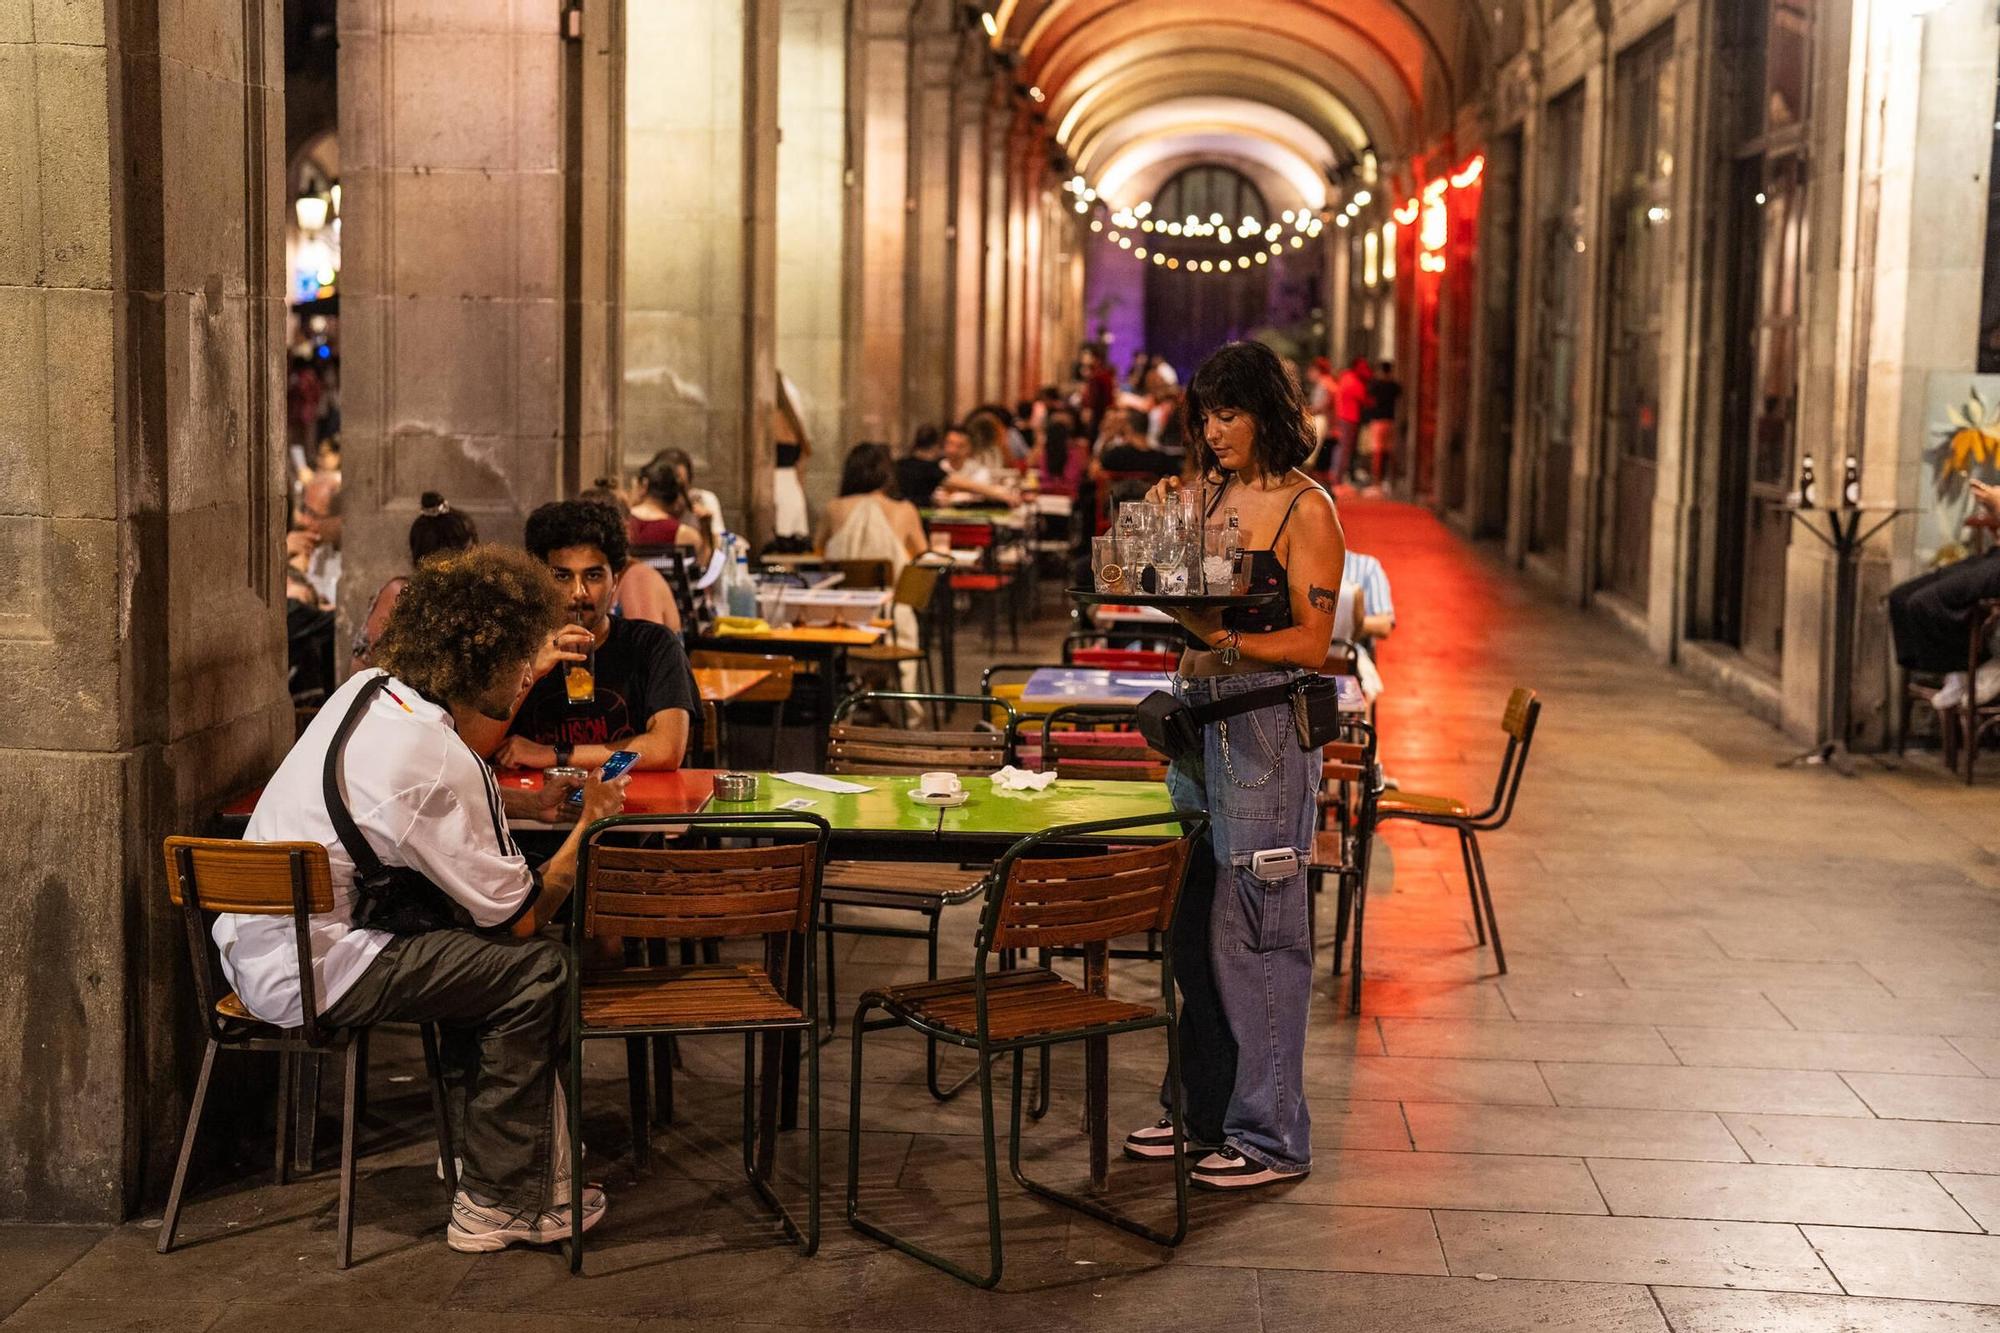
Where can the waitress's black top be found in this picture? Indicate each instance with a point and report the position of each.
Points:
(1266, 575)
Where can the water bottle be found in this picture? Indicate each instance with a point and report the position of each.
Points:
(741, 593)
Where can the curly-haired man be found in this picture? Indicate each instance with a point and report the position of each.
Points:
(642, 695)
(466, 637)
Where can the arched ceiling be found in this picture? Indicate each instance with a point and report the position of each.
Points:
(1302, 88)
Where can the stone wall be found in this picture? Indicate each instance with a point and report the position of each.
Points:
(141, 599)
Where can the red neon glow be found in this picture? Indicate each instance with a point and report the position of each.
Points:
(1407, 214)
(1469, 174)
(1437, 221)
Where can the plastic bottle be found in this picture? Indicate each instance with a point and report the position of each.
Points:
(741, 592)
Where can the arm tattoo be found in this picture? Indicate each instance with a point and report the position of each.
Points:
(1321, 598)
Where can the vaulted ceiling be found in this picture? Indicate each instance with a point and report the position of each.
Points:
(1287, 90)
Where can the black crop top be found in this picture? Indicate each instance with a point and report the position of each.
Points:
(1266, 575)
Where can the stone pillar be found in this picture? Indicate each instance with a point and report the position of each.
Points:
(993, 242)
(880, 88)
(971, 95)
(701, 117)
(812, 231)
(927, 313)
(142, 501)
(453, 196)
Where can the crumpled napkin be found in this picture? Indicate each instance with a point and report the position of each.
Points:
(1011, 778)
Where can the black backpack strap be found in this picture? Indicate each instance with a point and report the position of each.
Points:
(367, 865)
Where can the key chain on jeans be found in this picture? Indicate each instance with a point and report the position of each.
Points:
(1269, 773)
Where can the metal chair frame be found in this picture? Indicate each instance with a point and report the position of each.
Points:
(306, 864)
(1513, 763)
(758, 1148)
(988, 1048)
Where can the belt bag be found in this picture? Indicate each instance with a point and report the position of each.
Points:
(396, 899)
(1174, 728)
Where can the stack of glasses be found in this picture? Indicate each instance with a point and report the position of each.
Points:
(1162, 547)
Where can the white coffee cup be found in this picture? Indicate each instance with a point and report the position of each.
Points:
(939, 784)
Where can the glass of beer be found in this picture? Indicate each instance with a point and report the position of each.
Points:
(580, 678)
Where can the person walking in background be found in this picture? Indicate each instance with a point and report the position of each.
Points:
(1385, 399)
(1350, 401)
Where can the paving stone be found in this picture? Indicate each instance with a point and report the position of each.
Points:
(1978, 1195)
(1489, 1181)
(1909, 1145)
(1369, 1303)
(1982, 1051)
(1632, 1249)
(1913, 1265)
(1611, 1043)
(1893, 1054)
(1688, 1008)
(1692, 1310)
(1247, 1233)
(1928, 1097)
(1801, 1092)
(32, 1256)
(1745, 1192)
(1567, 1131)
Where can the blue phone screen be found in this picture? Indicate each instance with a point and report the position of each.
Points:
(613, 767)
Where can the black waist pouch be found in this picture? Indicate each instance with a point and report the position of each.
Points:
(1316, 711)
(397, 899)
(1167, 724)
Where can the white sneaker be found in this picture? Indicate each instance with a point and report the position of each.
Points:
(1950, 694)
(478, 1228)
(1231, 1170)
(1986, 682)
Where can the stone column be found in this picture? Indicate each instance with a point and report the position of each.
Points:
(812, 230)
(142, 500)
(701, 117)
(880, 86)
(927, 313)
(453, 285)
(970, 97)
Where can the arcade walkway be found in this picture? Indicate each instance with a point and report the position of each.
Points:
(1742, 1076)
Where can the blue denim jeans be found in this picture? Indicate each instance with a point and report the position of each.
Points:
(1244, 957)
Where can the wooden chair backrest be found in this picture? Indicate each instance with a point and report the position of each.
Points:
(862, 573)
(247, 878)
(916, 585)
(1517, 721)
(859, 749)
(773, 691)
(1343, 761)
(1061, 902)
(688, 893)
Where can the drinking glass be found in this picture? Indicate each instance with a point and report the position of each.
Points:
(1104, 564)
(1218, 561)
(1170, 564)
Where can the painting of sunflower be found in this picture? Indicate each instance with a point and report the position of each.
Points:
(1968, 445)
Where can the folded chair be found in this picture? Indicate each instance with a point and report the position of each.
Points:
(676, 892)
(1038, 900)
(274, 879)
(1524, 709)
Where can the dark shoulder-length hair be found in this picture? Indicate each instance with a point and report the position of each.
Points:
(868, 467)
(1249, 377)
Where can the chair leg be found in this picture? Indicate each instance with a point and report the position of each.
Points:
(1363, 843)
(1486, 897)
(636, 1079)
(350, 1112)
(287, 1108)
(171, 1218)
(441, 1107)
(574, 1093)
(832, 1003)
(1343, 904)
(1091, 1207)
(931, 1061)
(1314, 879)
(305, 1139)
(666, 1054)
(1471, 883)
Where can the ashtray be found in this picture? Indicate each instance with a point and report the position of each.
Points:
(736, 787)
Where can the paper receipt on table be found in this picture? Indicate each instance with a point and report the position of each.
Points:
(797, 803)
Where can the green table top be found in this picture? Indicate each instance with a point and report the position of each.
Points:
(1070, 801)
(884, 808)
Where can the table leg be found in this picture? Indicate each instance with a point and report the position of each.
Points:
(1096, 1067)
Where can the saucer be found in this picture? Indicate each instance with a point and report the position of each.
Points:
(950, 801)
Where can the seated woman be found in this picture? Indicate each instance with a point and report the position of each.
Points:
(642, 592)
(437, 527)
(870, 521)
(1060, 460)
(660, 513)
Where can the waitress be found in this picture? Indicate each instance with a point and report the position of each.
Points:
(1242, 951)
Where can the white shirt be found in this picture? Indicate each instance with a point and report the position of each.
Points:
(420, 797)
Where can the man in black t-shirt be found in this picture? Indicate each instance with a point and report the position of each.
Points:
(643, 694)
(919, 472)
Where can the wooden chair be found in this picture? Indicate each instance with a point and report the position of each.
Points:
(646, 892)
(993, 580)
(862, 573)
(1092, 741)
(926, 889)
(915, 588)
(1524, 710)
(1037, 901)
(1960, 729)
(292, 879)
(1351, 782)
(772, 694)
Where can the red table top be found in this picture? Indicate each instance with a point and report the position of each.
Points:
(653, 792)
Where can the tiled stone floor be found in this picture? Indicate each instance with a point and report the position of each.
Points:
(1741, 1077)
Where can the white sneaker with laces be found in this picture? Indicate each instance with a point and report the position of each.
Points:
(1155, 1142)
(478, 1228)
(1950, 694)
(1228, 1169)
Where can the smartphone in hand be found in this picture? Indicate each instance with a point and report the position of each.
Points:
(619, 761)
